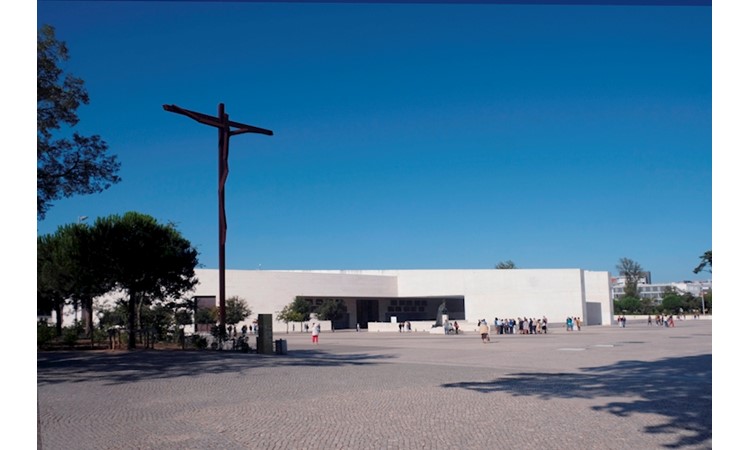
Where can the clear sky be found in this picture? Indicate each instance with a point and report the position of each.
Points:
(406, 136)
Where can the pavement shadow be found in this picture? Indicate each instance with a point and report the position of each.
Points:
(676, 388)
(134, 366)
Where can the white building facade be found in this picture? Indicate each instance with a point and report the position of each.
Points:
(378, 296)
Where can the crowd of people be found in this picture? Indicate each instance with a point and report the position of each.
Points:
(573, 324)
(517, 326)
(662, 321)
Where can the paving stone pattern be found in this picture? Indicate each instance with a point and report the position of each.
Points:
(637, 387)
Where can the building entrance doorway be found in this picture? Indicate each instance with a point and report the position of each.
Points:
(367, 311)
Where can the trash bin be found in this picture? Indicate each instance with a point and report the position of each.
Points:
(280, 346)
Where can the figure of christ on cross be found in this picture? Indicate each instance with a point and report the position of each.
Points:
(227, 129)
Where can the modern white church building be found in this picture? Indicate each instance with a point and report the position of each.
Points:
(374, 297)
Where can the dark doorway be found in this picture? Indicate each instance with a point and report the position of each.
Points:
(367, 311)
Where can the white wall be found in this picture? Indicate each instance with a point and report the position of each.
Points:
(488, 293)
(267, 292)
(512, 293)
(598, 290)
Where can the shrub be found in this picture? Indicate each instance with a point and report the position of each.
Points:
(45, 334)
(70, 335)
(199, 342)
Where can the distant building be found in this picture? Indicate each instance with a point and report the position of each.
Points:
(656, 291)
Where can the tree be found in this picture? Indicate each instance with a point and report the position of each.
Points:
(673, 302)
(236, 310)
(297, 311)
(632, 272)
(145, 259)
(332, 310)
(207, 316)
(52, 284)
(65, 166)
(705, 261)
(506, 265)
(627, 304)
(68, 270)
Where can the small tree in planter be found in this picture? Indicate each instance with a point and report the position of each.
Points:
(332, 310)
(297, 311)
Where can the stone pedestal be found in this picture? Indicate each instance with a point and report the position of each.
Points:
(264, 341)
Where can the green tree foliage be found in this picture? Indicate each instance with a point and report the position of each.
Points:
(331, 309)
(705, 261)
(633, 272)
(236, 310)
(145, 259)
(707, 296)
(626, 304)
(113, 316)
(66, 166)
(506, 265)
(207, 316)
(647, 306)
(673, 302)
(44, 335)
(52, 284)
(68, 271)
(158, 318)
(183, 317)
(296, 311)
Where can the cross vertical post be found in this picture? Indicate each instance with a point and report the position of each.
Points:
(225, 128)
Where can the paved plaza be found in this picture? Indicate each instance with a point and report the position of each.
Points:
(603, 387)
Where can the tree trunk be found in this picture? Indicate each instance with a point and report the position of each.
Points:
(87, 307)
(138, 317)
(131, 320)
(59, 319)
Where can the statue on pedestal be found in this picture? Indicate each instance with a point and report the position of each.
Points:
(441, 311)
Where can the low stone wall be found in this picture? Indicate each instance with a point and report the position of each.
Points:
(416, 327)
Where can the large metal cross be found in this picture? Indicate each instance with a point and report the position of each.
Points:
(227, 129)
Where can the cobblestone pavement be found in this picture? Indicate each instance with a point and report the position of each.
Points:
(638, 387)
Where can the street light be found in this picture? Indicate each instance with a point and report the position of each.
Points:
(82, 218)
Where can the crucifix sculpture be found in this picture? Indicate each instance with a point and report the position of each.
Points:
(227, 129)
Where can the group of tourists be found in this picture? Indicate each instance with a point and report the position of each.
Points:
(662, 321)
(450, 328)
(232, 330)
(574, 324)
(520, 326)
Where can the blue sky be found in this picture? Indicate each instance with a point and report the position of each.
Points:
(406, 135)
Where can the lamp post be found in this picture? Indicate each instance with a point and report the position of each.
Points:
(227, 129)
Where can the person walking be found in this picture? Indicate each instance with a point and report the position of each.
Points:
(315, 333)
(484, 331)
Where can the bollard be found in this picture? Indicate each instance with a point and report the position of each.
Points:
(280, 346)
